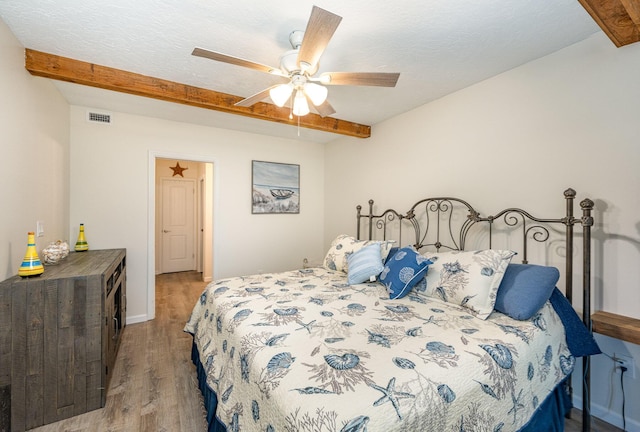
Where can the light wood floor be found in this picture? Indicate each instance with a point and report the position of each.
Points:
(153, 387)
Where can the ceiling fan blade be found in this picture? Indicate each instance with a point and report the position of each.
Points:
(324, 109)
(201, 52)
(380, 79)
(320, 28)
(255, 98)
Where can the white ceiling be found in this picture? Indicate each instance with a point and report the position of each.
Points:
(438, 46)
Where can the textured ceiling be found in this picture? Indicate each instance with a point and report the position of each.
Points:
(438, 46)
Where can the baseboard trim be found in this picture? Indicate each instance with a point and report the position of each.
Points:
(137, 319)
(606, 415)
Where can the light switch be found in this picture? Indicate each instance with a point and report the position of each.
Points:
(39, 229)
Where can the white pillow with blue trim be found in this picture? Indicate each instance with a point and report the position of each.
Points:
(364, 264)
(403, 271)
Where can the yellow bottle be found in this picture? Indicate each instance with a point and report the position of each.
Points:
(31, 265)
(81, 244)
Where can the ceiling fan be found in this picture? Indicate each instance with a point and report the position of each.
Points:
(299, 66)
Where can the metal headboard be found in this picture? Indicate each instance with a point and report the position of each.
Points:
(446, 222)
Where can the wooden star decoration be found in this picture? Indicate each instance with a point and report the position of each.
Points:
(177, 170)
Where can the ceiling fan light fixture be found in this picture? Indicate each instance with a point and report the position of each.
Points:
(315, 92)
(300, 104)
(280, 94)
(299, 65)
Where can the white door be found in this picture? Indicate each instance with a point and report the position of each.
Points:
(178, 225)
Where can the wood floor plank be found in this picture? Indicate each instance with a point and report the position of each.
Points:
(154, 387)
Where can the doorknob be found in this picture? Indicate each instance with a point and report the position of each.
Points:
(166, 231)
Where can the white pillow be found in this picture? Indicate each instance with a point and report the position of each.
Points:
(468, 278)
(344, 245)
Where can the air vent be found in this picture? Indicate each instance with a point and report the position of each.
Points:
(95, 117)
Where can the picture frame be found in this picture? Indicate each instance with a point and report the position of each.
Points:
(275, 188)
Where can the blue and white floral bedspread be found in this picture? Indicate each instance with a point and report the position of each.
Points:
(303, 351)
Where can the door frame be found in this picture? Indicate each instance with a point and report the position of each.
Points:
(151, 217)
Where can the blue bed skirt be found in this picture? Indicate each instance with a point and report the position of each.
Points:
(210, 398)
(550, 415)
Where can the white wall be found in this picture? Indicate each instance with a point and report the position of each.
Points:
(571, 119)
(110, 194)
(34, 181)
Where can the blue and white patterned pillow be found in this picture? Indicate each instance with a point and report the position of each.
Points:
(364, 264)
(403, 271)
(468, 278)
(344, 245)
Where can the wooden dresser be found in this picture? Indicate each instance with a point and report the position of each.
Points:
(59, 335)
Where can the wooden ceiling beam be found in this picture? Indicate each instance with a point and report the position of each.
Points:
(619, 19)
(65, 69)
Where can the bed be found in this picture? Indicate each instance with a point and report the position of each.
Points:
(429, 323)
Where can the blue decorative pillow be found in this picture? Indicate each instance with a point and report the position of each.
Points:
(392, 252)
(524, 289)
(403, 271)
(364, 263)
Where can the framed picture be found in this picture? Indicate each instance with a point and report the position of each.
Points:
(275, 187)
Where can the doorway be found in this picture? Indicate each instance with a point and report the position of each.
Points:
(181, 202)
